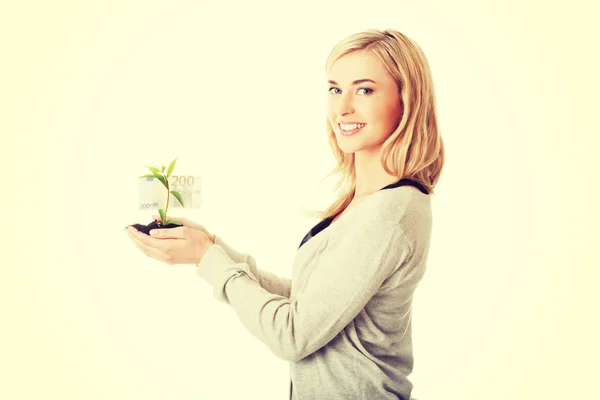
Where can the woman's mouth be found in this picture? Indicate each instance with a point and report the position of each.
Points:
(350, 129)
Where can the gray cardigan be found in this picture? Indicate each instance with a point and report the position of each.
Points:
(344, 319)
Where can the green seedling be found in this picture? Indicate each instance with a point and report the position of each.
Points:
(164, 179)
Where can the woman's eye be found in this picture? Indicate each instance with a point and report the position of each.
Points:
(369, 91)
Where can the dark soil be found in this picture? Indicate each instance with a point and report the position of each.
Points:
(153, 225)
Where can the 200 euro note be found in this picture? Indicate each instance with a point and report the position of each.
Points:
(153, 194)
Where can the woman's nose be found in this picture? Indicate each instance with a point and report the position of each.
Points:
(344, 106)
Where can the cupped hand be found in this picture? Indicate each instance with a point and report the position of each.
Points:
(187, 222)
(181, 245)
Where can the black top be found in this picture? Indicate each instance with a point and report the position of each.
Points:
(327, 221)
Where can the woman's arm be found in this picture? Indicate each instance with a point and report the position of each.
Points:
(267, 280)
(345, 279)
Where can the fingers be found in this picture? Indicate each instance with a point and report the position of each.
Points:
(166, 246)
(184, 222)
(182, 232)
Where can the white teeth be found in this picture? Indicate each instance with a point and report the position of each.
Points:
(351, 127)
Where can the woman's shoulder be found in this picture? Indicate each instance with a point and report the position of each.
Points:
(402, 202)
(404, 208)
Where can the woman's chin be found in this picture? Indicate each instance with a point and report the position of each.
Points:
(347, 149)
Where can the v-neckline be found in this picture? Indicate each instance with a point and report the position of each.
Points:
(329, 222)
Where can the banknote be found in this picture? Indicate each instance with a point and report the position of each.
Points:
(153, 194)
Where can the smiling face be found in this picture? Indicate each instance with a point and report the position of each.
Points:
(361, 91)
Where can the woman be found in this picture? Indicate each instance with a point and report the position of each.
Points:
(344, 319)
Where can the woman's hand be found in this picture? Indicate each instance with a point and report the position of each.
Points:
(182, 245)
(187, 222)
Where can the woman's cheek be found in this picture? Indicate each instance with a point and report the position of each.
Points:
(392, 118)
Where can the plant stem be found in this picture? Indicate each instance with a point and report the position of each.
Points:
(167, 206)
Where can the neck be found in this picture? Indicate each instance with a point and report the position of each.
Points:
(370, 175)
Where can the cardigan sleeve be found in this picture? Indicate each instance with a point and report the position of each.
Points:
(344, 279)
(269, 281)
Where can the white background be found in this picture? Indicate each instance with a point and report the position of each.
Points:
(93, 92)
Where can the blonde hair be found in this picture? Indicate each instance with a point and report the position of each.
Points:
(415, 150)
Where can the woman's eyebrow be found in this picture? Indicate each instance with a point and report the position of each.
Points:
(356, 82)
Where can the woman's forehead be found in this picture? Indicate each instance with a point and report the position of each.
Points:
(358, 65)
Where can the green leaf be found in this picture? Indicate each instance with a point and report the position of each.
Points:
(163, 169)
(162, 215)
(163, 180)
(171, 167)
(178, 196)
(172, 221)
(159, 177)
(155, 170)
